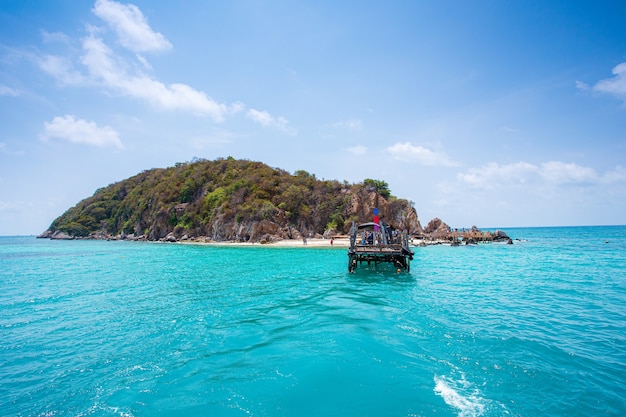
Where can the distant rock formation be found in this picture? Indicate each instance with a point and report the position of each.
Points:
(397, 213)
(57, 235)
(501, 236)
(437, 228)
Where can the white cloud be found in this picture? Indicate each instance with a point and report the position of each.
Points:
(352, 125)
(105, 67)
(615, 86)
(236, 107)
(50, 37)
(357, 150)
(616, 175)
(494, 175)
(61, 69)
(261, 117)
(582, 85)
(567, 173)
(144, 62)
(101, 66)
(74, 130)
(8, 91)
(411, 153)
(267, 120)
(131, 26)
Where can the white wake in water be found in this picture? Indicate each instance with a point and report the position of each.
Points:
(460, 395)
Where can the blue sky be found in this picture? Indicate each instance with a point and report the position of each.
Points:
(486, 113)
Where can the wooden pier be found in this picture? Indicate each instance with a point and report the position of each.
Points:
(378, 243)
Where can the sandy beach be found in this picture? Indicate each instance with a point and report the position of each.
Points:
(342, 242)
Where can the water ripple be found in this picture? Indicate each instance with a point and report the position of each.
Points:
(118, 328)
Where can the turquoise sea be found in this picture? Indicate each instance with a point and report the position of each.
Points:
(95, 328)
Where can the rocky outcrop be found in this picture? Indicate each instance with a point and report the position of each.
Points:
(437, 228)
(399, 214)
(57, 235)
(501, 236)
(438, 231)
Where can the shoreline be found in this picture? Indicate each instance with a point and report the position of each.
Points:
(284, 243)
(341, 243)
(338, 241)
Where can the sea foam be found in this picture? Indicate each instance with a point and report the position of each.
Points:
(461, 395)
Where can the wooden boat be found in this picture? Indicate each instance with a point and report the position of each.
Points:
(378, 243)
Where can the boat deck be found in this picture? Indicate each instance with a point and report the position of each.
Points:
(393, 249)
(378, 245)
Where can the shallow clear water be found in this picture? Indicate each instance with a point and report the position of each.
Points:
(91, 328)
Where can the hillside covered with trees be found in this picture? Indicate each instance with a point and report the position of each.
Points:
(229, 200)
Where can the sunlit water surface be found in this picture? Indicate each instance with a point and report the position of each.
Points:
(93, 328)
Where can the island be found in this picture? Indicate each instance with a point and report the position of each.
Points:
(241, 201)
